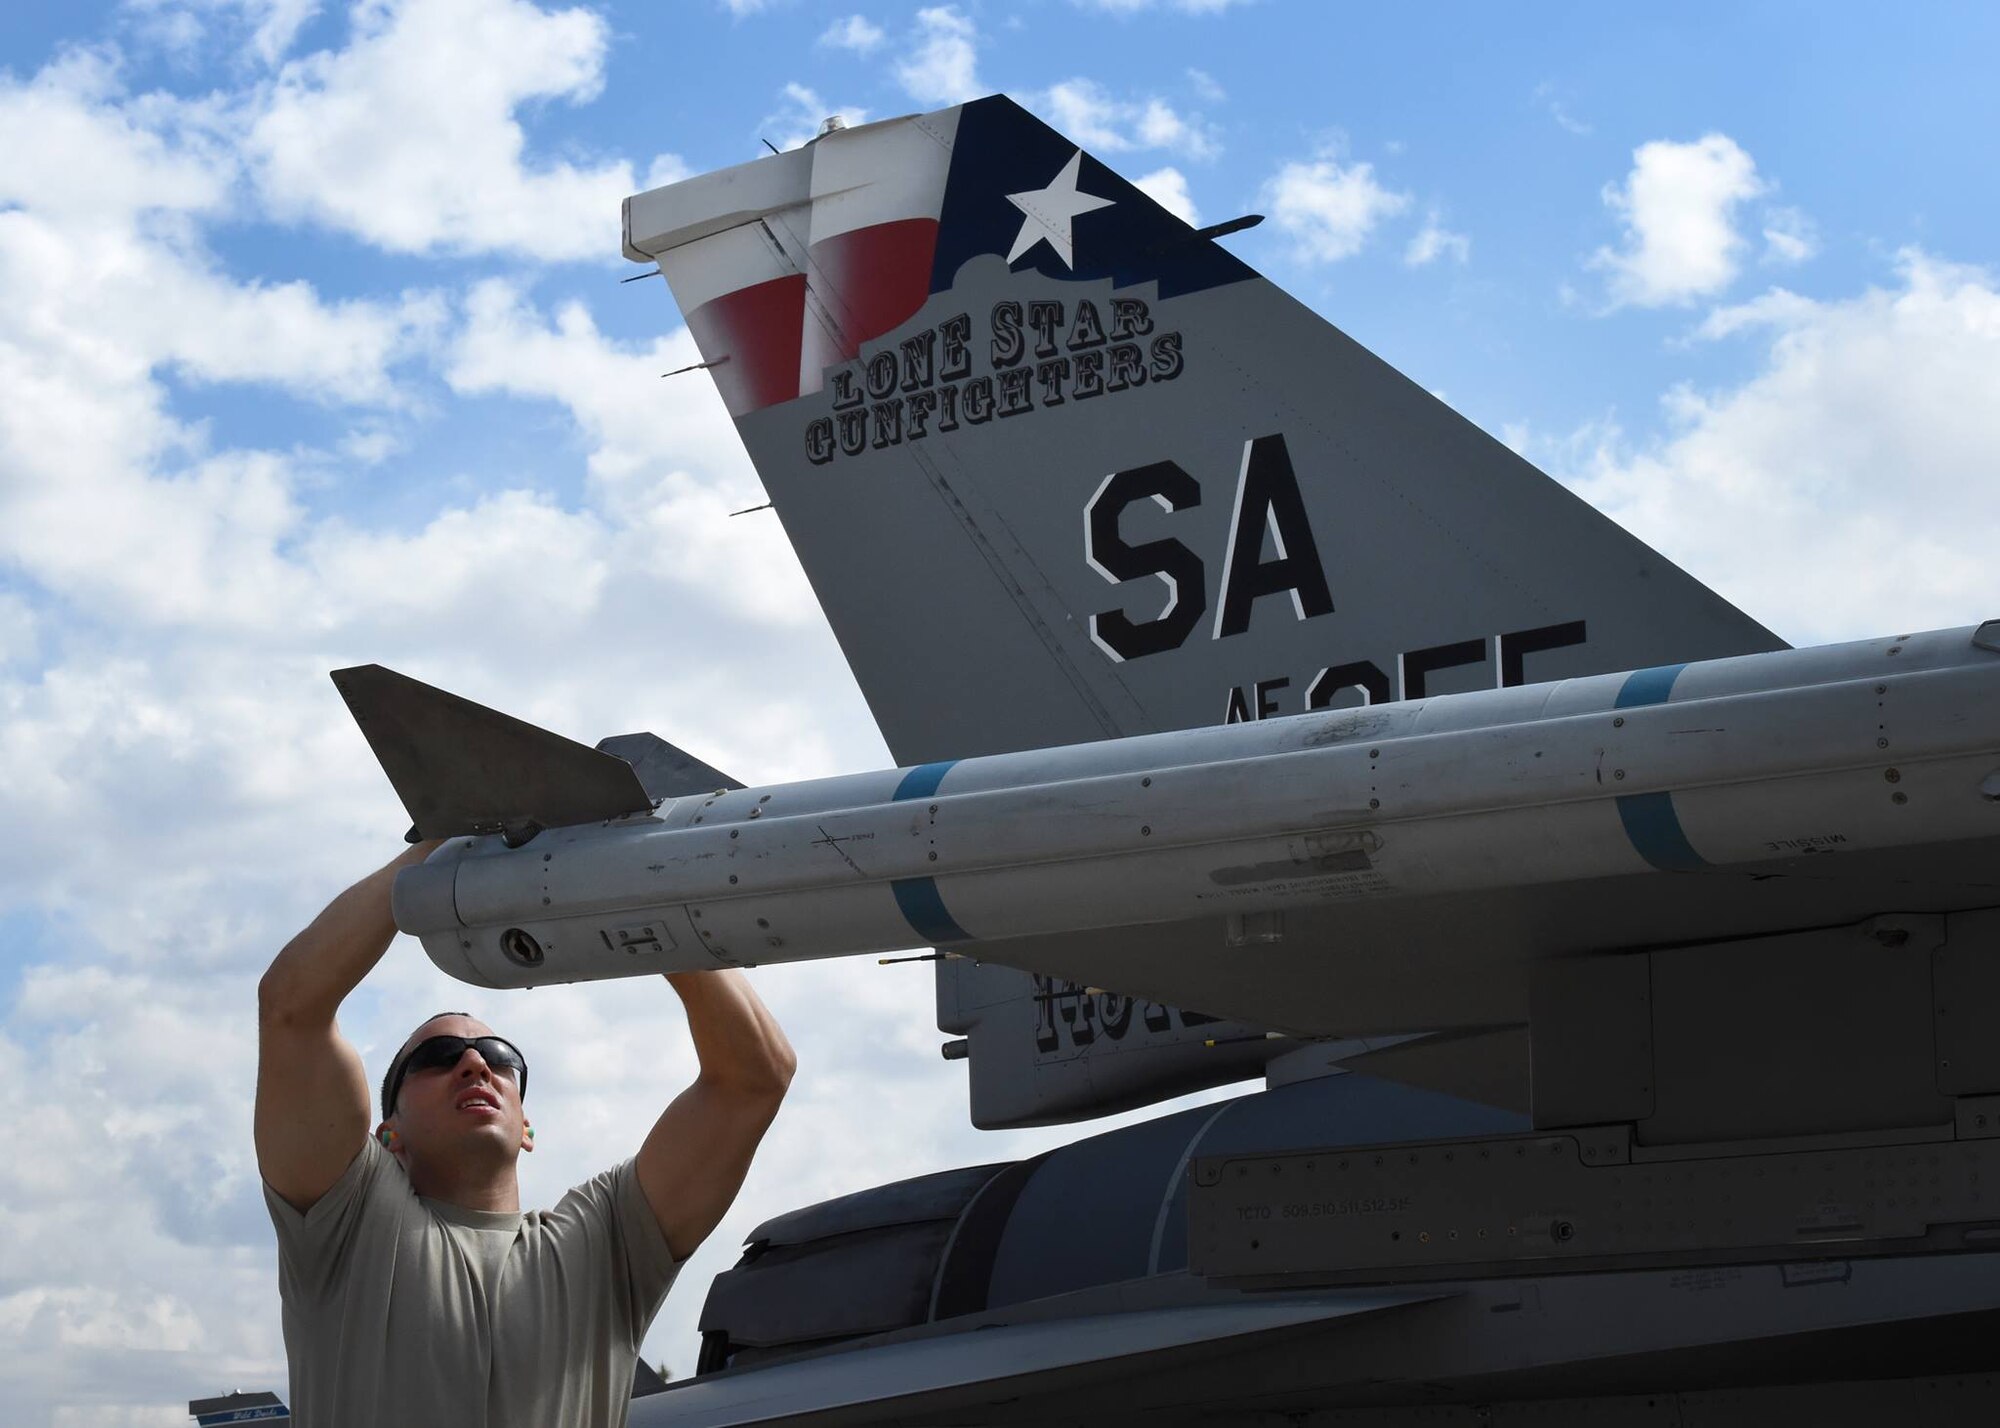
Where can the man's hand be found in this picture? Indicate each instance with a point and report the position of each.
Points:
(695, 1158)
(312, 1094)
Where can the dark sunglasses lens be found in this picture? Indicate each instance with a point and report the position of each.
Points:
(438, 1051)
(446, 1050)
(499, 1055)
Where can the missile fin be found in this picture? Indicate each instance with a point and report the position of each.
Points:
(666, 772)
(461, 768)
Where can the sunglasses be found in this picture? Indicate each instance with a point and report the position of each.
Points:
(435, 1052)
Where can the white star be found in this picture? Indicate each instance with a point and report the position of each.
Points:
(1049, 211)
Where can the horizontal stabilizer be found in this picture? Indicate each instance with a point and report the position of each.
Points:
(461, 768)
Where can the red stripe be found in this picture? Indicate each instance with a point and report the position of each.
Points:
(758, 329)
(869, 281)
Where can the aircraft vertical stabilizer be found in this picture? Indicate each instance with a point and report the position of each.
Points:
(1060, 467)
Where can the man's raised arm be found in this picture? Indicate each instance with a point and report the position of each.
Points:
(695, 1158)
(312, 1094)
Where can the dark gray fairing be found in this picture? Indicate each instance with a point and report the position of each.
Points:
(462, 768)
(1055, 1291)
(1106, 1210)
(866, 1263)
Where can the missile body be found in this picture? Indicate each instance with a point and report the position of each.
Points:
(1841, 748)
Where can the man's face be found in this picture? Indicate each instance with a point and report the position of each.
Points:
(469, 1107)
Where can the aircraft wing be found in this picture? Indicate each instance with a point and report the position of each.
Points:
(924, 1380)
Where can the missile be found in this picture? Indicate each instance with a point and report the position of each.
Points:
(1835, 749)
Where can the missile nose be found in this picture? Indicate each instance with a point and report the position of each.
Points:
(422, 899)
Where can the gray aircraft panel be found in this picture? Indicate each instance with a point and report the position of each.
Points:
(954, 568)
(1403, 965)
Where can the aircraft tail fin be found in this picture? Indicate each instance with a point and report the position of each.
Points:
(1061, 467)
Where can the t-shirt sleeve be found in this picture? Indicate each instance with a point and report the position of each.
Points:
(641, 1266)
(650, 1264)
(313, 1245)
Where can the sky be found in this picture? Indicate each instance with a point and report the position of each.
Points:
(313, 352)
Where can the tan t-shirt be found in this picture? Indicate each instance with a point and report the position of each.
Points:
(405, 1311)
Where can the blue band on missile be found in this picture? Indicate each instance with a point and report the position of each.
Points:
(1649, 818)
(1648, 686)
(921, 903)
(1656, 832)
(923, 780)
(924, 910)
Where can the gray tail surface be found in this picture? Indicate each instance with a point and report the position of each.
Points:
(1061, 468)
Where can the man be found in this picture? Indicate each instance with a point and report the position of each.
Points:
(415, 1290)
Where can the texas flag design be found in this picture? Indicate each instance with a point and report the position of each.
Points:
(786, 266)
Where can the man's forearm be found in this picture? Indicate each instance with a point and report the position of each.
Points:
(319, 967)
(736, 1039)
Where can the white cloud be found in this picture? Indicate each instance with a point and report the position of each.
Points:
(1330, 209)
(140, 157)
(278, 24)
(1160, 127)
(1186, 7)
(856, 32)
(1547, 98)
(106, 497)
(798, 118)
(664, 461)
(410, 138)
(20, 631)
(1846, 488)
(1206, 87)
(1789, 236)
(941, 68)
(370, 444)
(1678, 206)
(178, 34)
(1433, 241)
(271, 25)
(1096, 120)
(1168, 188)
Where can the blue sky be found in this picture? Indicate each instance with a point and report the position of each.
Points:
(314, 351)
